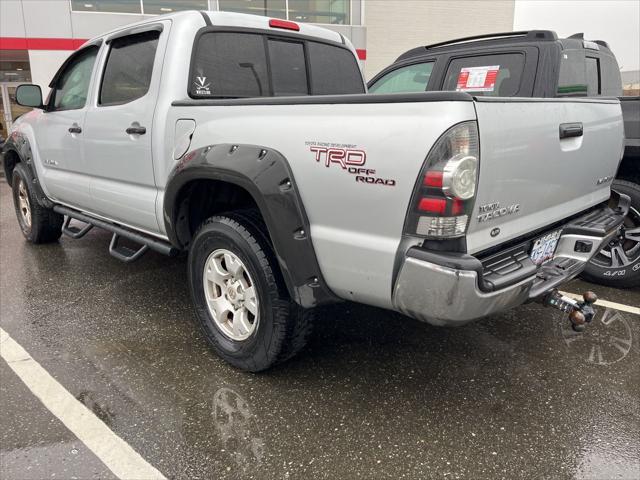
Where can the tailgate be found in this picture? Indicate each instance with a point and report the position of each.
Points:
(529, 176)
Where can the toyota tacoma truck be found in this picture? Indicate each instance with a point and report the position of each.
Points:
(537, 64)
(251, 144)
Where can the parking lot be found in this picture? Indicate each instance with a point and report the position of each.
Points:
(374, 395)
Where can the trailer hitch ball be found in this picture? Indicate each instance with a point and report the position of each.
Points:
(590, 297)
(580, 313)
(578, 320)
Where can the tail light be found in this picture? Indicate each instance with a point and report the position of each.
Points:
(443, 198)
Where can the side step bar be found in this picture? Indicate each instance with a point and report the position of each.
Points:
(75, 232)
(118, 251)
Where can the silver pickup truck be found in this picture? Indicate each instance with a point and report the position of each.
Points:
(230, 137)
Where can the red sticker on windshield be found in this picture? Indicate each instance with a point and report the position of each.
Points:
(477, 79)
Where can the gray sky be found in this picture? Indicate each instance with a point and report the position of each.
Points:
(615, 21)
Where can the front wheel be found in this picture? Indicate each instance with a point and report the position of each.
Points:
(618, 263)
(241, 302)
(38, 224)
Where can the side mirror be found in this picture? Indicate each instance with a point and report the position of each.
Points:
(29, 95)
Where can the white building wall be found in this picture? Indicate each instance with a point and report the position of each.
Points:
(11, 19)
(395, 26)
(44, 65)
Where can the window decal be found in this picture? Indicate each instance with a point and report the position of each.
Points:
(477, 79)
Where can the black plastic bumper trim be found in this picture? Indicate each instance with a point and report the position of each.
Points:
(600, 222)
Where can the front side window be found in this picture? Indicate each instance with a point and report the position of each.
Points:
(496, 75)
(72, 85)
(127, 73)
(412, 78)
(236, 65)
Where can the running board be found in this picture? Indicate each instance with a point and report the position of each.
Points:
(118, 251)
(125, 254)
(75, 232)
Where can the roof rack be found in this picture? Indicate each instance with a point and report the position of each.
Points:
(532, 34)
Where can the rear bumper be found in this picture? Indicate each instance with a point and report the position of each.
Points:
(453, 289)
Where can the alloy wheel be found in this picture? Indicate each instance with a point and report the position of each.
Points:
(23, 203)
(624, 249)
(231, 295)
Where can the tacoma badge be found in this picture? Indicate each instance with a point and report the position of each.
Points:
(493, 210)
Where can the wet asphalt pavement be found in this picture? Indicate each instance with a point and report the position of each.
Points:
(374, 395)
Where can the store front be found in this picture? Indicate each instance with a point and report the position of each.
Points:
(14, 70)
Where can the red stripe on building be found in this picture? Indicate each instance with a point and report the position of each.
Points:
(21, 43)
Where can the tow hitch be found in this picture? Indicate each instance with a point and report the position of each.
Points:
(580, 313)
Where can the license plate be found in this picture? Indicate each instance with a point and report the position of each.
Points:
(544, 247)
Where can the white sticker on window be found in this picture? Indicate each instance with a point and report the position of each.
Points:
(202, 86)
(477, 79)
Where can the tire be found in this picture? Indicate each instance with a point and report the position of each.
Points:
(280, 328)
(620, 268)
(38, 224)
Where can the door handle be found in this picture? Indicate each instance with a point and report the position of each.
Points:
(75, 129)
(568, 130)
(136, 130)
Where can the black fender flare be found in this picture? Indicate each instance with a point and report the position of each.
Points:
(265, 174)
(19, 144)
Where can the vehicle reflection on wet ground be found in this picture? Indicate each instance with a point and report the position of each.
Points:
(374, 395)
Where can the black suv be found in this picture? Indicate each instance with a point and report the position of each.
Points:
(537, 64)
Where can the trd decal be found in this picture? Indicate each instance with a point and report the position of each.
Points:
(340, 156)
(349, 158)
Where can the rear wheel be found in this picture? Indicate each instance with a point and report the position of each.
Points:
(38, 224)
(618, 263)
(240, 298)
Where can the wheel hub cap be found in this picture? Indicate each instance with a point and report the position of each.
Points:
(230, 294)
(23, 203)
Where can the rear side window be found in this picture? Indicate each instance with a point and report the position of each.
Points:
(489, 75)
(127, 73)
(573, 76)
(230, 65)
(241, 65)
(412, 78)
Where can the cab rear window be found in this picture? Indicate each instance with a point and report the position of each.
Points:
(242, 65)
(496, 75)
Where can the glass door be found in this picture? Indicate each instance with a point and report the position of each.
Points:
(14, 70)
